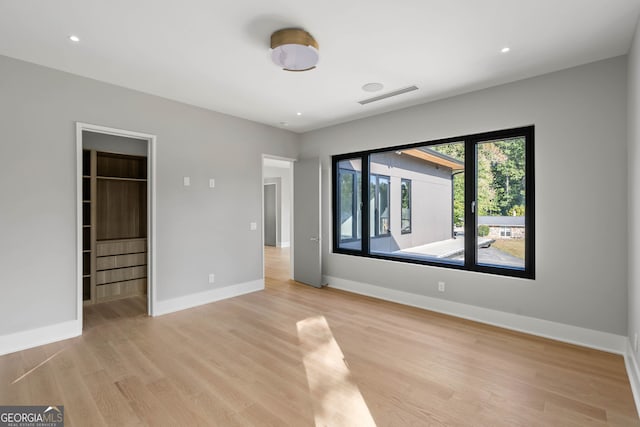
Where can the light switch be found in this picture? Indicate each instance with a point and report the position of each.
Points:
(253, 226)
(212, 183)
(186, 181)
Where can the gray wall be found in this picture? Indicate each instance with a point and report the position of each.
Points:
(634, 185)
(113, 143)
(581, 250)
(282, 177)
(199, 230)
(580, 116)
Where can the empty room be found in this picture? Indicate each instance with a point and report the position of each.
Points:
(320, 214)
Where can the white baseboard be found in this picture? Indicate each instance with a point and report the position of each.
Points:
(633, 372)
(34, 337)
(544, 328)
(206, 297)
(284, 244)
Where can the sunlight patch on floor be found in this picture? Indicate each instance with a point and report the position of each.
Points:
(336, 398)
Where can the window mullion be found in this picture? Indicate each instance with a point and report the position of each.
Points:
(335, 180)
(470, 205)
(364, 197)
(529, 201)
(354, 205)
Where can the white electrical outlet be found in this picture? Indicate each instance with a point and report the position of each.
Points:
(635, 342)
(186, 181)
(212, 278)
(253, 226)
(440, 286)
(212, 183)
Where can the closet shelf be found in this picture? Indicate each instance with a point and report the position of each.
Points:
(117, 178)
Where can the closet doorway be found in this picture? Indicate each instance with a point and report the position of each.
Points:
(115, 216)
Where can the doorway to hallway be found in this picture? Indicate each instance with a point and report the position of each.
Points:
(277, 219)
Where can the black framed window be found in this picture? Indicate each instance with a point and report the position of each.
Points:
(349, 203)
(379, 203)
(405, 206)
(455, 199)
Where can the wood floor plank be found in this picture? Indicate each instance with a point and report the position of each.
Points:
(76, 394)
(111, 403)
(146, 405)
(301, 356)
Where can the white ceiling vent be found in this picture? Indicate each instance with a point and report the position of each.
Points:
(388, 95)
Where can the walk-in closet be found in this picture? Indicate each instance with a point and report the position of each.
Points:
(114, 217)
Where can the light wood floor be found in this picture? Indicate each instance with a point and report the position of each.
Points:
(300, 356)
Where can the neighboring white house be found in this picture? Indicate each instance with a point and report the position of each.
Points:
(411, 202)
(503, 227)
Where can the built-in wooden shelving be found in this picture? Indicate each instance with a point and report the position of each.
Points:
(114, 226)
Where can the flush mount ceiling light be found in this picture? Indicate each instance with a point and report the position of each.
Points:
(74, 38)
(294, 49)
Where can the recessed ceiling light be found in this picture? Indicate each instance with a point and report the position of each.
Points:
(372, 87)
(298, 113)
(74, 39)
(505, 49)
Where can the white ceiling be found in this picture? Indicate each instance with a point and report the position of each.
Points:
(214, 54)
